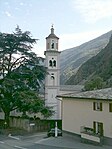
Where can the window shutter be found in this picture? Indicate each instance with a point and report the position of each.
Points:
(100, 106)
(94, 127)
(101, 129)
(93, 105)
(110, 107)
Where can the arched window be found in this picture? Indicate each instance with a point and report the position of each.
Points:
(52, 77)
(52, 46)
(54, 63)
(50, 63)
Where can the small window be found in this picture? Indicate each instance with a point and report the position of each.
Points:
(110, 107)
(97, 106)
(52, 77)
(52, 45)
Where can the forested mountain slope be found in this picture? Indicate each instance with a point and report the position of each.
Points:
(72, 59)
(98, 66)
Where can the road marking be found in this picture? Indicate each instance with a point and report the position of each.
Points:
(39, 141)
(19, 147)
(2, 142)
(13, 137)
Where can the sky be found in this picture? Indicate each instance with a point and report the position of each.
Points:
(75, 21)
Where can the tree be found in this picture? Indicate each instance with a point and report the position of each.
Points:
(20, 73)
(95, 83)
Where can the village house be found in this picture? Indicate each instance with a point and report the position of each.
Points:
(88, 115)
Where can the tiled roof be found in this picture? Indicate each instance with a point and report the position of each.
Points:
(96, 94)
(52, 36)
(71, 87)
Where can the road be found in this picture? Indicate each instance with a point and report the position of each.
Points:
(25, 142)
(40, 141)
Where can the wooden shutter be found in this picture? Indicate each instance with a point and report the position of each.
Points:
(100, 106)
(110, 107)
(101, 129)
(94, 106)
(94, 127)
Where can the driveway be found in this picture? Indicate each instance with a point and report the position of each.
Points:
(69, 142)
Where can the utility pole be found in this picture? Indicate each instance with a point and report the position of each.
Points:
(56, 130)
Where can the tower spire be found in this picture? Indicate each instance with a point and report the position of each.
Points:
(52, 29)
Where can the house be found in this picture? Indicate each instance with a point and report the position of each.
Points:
(88, 115)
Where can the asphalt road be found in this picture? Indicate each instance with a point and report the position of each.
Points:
(25, 142)
(40, 141)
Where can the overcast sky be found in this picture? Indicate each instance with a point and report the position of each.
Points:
(75, 21)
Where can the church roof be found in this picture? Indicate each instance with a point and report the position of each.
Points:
(71, 87)
(52, 35)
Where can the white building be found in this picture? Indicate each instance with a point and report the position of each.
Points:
(88, 115)
(52, 81)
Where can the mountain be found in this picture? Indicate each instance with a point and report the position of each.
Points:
(98, 66)
(73, 58)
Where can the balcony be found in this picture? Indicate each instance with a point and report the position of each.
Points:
(88, 135)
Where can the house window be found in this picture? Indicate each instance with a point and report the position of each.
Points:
(98, 128)
(110, 107)
(97, 106)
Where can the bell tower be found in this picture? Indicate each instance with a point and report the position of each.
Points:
(52, 80)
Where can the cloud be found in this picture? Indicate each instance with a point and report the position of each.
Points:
(93, 10)
(21, 4)
(8, 14)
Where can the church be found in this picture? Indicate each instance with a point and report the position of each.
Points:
(52, 80)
